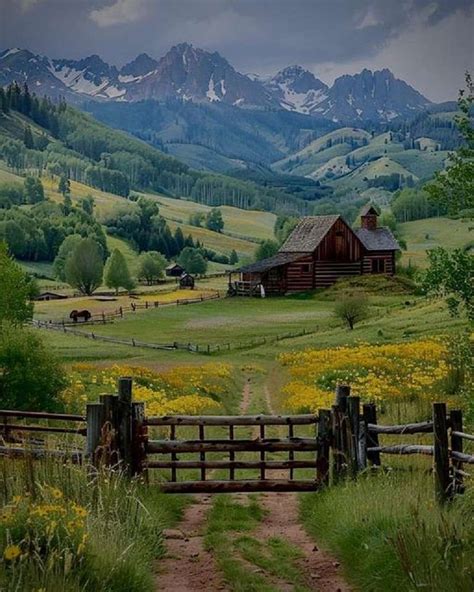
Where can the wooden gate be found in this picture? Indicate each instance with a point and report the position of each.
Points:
(209, 462)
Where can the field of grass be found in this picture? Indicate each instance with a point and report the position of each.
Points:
(243, 223)
(423, 235)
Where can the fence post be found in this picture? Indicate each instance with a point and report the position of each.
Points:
(94, 419)
(125, 421)
(342, 392)
(441, 452)
(110, 428)
(353, 414)
(455, 417)
(139, 438)
(324, 439)
(340, 431)
(372, 438)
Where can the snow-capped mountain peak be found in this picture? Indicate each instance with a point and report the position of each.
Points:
(193, 74)
(298, 89)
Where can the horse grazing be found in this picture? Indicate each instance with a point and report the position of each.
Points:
(80, 314)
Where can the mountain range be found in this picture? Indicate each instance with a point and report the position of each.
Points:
(191, 74)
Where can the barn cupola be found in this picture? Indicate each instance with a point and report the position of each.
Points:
(368, 217)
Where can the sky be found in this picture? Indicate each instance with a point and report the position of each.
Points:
(428, 43)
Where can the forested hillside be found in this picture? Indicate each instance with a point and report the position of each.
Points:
(37, 134)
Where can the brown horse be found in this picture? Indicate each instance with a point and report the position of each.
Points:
(80, 314)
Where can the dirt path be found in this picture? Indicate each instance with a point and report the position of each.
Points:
(188, 567)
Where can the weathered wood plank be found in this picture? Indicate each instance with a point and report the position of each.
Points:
(231, 465)
(403, 449)
(38, 428)
(226, 420)
(463, 457)
(409, 428)
(241, 486)
(462, 435)
(166, 446)
(41, 415)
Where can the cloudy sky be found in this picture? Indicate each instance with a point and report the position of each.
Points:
(429, 43)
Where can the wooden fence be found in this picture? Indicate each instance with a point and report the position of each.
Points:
(108, 317)
(199, 348)
(345, 441)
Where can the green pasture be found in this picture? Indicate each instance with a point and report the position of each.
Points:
(239, 321)
(423, 235)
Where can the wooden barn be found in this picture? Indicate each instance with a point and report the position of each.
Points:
(319, 251)
(186, 281)
(174, 270)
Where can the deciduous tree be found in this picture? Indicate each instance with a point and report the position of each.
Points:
(451, 276)
(84, 267)
(15, 291)
(151, 266)
(352, 309)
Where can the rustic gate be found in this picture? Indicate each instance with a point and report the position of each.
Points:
(224, 472)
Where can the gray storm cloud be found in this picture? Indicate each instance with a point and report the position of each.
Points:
(328, 36)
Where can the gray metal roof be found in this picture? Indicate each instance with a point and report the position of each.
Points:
(308, 233)
(380, 239)
(275, 261)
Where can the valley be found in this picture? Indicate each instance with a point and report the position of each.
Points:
(236, 315)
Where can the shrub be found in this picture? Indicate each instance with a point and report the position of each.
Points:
(30, 376)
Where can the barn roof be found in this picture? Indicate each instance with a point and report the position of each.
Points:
(174, 266)
(308, 233)
(270, 262)
(379, 239)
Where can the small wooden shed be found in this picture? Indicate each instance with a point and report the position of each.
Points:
(175, 270)
(186, 281)
(50, 296)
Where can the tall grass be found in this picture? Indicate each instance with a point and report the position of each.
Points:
(392, 536)
(123, 526)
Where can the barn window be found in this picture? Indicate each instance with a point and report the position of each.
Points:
(306, 268)
(378, 265)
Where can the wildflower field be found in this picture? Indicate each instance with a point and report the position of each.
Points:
(190, 390)
(414, 373)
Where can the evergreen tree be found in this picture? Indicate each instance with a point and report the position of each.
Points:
(117, 274)
(28, 138)
(84, 266)
(64, 185)
(234, 258)
(34, 191)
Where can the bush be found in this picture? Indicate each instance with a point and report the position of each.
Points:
(352, 309)
(30, 376)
